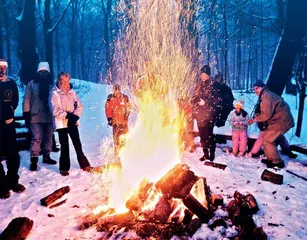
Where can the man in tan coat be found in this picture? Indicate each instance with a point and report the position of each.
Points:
(274, 114)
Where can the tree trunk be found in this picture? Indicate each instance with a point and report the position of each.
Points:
(7, 36)
(73, 42)
(48, 36)
(27, 42)
(57, 38)
(290, 44)
(1, 25)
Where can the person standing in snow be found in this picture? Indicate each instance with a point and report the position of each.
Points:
(38, 115)
(226, 100)
(117, 110)
(8, 103)
(206, 100)
(238, 121)
(67, 109)
(276, 119)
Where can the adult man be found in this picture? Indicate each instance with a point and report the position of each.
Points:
(37, 112)
(8, 103)
(276, 119)
(206, 100)
(117, 111)
(226, 100)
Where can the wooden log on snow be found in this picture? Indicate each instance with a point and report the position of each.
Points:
(18, 229)
(197, 208)
(260, 234)
(215, 165)
(248, 204)
(173, 182)
(136, 201)
(217, 200)
(234, 211)
(272, 177)
(252, 203)
(46, 201)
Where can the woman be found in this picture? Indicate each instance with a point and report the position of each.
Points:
(67, 109)
(38, 116)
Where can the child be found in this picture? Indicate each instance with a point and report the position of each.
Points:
(238, 121)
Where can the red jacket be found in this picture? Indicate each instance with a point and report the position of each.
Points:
(118, 108)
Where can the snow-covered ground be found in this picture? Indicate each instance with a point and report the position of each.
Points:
(280, 204)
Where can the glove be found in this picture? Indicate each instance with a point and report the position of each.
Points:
(27, 117)
(110, 121)
(72, 119)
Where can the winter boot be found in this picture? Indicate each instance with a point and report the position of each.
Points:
(206, 155)
(18, 188)
(48, 160)
(212, 154)
(33, 165)
(4, 192)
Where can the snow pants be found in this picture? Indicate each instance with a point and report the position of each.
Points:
(239, 141)
(41, 138)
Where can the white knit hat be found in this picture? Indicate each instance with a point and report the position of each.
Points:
(3, 63)
(239, 104)
(43, 66)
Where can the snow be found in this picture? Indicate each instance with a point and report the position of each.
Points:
(280, 204)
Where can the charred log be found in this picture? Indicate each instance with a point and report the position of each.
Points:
(54, 196)
(215, 165)
(260, 234)
(18, 228)
(272, 177)
(217, 200)
(234, 211)
(113, 220)
(192, 227)
(188, 215)
(217, 223)
(197, 208)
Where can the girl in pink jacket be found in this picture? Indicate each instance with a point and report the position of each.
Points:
(238, 121)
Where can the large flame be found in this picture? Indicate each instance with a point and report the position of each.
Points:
(156, 66)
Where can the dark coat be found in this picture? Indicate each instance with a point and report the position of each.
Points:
(226, 104)
(209, 92)
(8, 99)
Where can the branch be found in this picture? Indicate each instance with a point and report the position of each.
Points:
(59, 20)
(253, 15)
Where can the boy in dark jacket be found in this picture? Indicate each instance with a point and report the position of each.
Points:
(8, 103)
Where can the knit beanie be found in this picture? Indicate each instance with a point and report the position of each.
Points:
(239, 104)
(43, 66)
(206, 69)
(259, 83)
(3, 63)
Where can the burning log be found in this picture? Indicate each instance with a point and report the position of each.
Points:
(117, 219)
(162, 210)
(197, 208)
(177, 182)
(215, 165)
(18, 228)
(93, 219)
(137, 200)
(54, 196)
(272, 177)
